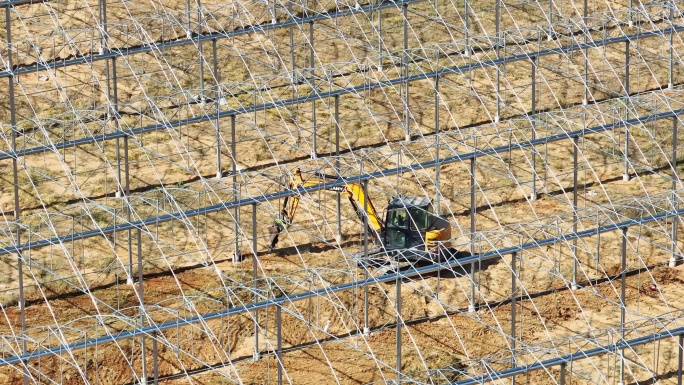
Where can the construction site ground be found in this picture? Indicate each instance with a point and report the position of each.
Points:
(67, 285)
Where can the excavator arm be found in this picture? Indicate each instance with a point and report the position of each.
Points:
(358, 198)
(362, 204)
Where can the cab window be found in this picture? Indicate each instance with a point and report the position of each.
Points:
(397, 218)
(395, 238)
(420, 219)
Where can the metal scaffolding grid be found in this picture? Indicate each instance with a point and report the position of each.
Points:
(146, 147)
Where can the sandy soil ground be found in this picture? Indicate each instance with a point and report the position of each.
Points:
(68, 284)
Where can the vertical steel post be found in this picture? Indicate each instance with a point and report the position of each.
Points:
(585, 99)
(466, 19)
(217, 100)
(254, 231)
(103, 26)
(112, 107)
(141, 299)
(398, 327)
(473, 212)
(15, 180)
(406, 72)
(292, 46)
(497, 17)
(199, 49)
(255, 355)
(255, 261)
(127, 203)
(187, 10)
(623, 280)
(118, 193)
(670, 79)
(440, 252)
(514, 294)
(625, 175)
(366, 327)
(279, 326)
(627, 68)
(13, 119)
(673, 164)
(399, 165)
(575, 142)
(562, 374)
(598, 244)
(125, 185)
(102, 7)
(379, 39)
(680, 349)
(623, 275)
(337, 164)
(534, 128)
(233, 157)
(275, 16)
(311, 46)
(437, 194)
(155, 358)
(466, 22)
(630, 22)
(313, 102)
(115, 90)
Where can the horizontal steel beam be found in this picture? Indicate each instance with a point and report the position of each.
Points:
(14, 3)
(324, 95)
(340, 182)
(572, 357)
(149, 330)
(113, 52)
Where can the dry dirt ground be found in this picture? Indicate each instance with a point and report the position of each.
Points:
(67, 284)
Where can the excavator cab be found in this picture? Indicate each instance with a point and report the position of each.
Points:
(412, 230)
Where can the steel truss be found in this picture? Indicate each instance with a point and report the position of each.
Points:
(545, 133)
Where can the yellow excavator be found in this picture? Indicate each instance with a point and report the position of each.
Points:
(410, 231)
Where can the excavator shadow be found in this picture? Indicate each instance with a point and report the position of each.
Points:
(454, 270)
